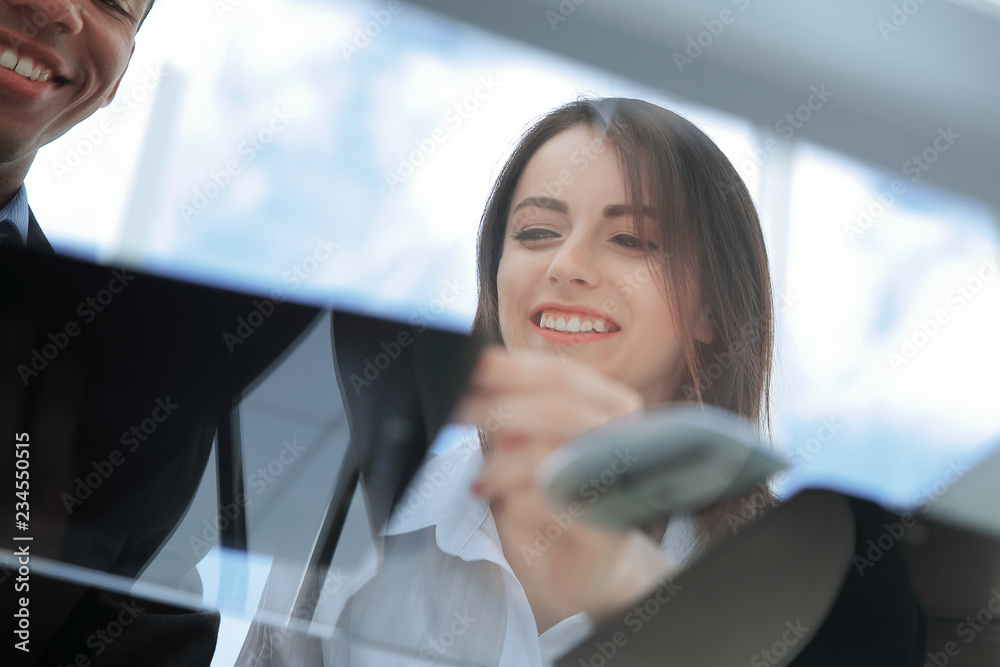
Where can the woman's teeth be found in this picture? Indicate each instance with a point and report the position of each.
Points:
(575, 323)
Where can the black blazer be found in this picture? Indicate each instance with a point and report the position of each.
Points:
(67, 619)
(157, 343)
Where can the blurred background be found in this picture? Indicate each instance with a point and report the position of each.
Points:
(341, 153)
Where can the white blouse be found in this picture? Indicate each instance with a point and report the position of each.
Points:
(444, 593)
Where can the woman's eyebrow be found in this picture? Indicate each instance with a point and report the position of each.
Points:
(621, 210)
(556, 205)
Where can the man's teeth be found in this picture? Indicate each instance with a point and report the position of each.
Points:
(25, 66)
(575, 324)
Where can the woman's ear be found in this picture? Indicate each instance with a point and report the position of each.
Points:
(704, 325)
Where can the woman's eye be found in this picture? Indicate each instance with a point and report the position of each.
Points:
(533, 234)
(634, 243)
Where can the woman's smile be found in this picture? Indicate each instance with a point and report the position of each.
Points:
(574, 325)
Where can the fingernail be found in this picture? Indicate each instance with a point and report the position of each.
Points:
(477, 488)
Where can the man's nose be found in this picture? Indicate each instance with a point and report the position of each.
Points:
(66, 15)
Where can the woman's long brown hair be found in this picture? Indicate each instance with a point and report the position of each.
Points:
(712, 249)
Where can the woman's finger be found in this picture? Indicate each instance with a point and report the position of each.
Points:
(530, 372)
(554, 418)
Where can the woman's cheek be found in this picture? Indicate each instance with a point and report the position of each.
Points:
(509, 297)
(506, 328)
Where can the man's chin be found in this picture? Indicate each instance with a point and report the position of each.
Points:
(14, 152)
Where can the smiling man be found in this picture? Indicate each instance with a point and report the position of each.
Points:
(60, 61)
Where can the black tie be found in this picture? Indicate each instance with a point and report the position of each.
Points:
(9, 235)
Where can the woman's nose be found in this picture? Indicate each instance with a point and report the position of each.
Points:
(574, 263)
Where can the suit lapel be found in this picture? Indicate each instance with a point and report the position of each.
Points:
(36, 239)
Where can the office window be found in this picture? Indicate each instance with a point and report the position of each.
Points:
(892, 313)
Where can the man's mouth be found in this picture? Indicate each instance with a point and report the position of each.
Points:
(570, 321)
(25, 66)
(28, 67)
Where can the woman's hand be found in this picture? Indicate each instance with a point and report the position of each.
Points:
(531, 403)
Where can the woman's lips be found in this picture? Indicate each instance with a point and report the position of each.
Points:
(572, 338)
(573, 319)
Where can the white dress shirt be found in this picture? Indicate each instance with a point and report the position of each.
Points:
(444, 593)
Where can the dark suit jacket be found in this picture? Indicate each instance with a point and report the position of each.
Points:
(157, 343)
(36, 239)
(118, 532)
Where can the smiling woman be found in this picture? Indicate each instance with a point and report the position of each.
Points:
(603, 312)
(619, 256)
